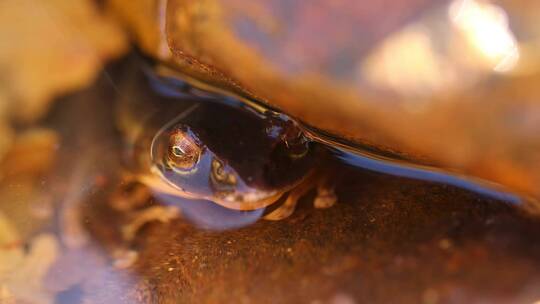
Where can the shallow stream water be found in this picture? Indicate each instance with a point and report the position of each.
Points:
(426, 234)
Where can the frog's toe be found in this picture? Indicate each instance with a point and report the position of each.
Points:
(325, 200)
(326, 196)
(130, 194)
(283, 211)
(162, 214)
(289, 205)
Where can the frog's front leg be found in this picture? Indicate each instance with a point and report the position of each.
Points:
(325, 197)
(162, 214)
(130, 194)
(133, 198)
(287, 208)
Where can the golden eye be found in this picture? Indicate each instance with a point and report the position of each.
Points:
(297, 147)
(183, 151)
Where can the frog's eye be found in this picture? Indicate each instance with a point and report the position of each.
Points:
(293, 140)
(297, 146)
(183, 152)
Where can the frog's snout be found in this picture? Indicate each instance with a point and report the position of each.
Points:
(231, 189)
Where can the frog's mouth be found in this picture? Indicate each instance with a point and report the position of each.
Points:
(247, 200)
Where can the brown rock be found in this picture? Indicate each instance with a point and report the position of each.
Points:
(415, 77)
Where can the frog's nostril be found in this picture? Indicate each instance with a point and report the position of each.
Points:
(222, 175)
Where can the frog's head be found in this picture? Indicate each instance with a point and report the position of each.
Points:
(230, 156)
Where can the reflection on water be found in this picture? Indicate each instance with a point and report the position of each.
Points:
(76, 241)
(209, 215)
(378, 164)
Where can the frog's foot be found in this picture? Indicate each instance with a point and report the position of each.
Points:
(326, 195)
(130, 194)
(162, 214)
(289, 205)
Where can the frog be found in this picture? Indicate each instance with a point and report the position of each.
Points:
(188, 143)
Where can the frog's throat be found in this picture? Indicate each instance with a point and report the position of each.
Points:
(156, 183)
